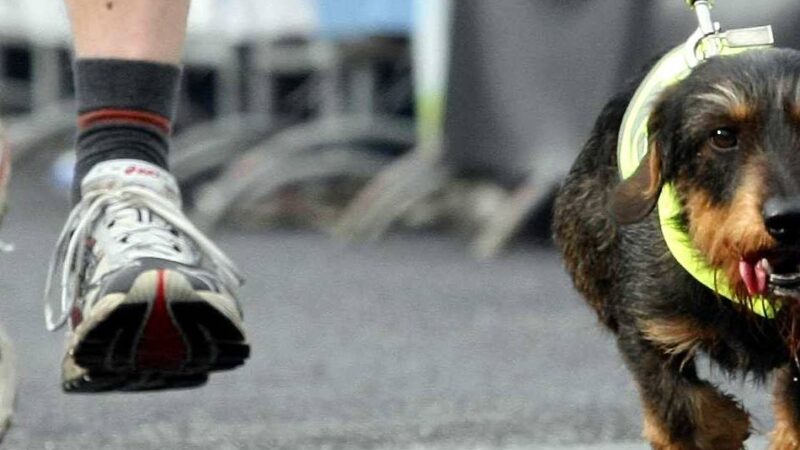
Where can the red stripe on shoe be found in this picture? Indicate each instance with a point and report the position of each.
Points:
(161, 345)
(111, 115)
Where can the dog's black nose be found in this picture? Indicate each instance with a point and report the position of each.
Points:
(782, 218)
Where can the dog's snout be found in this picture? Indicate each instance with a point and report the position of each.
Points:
(782, 218)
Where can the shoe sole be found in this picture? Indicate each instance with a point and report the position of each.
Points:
(162, 334)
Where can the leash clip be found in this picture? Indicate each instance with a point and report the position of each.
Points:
(708, 40)
(702, 9)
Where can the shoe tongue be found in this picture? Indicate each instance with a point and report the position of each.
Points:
(118, 173)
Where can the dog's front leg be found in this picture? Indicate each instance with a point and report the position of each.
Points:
(681, 411)
(786, 434)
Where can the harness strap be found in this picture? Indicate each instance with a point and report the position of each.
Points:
(633, 143)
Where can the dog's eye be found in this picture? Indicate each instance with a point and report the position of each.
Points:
(724, 139)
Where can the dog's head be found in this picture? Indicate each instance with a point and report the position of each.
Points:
(728, 139)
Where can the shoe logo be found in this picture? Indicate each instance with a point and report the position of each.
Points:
(139, 170)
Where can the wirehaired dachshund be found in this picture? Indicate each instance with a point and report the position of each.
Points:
(727, 140)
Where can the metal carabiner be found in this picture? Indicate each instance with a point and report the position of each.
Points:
(702, 9)
(702, 41)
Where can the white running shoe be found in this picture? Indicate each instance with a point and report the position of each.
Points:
(149, 298)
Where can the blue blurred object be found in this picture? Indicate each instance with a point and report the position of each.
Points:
(354, 18)
(61, 172)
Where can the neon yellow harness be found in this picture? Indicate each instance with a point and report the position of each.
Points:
(633, 144)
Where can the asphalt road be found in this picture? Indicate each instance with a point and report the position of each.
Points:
(406, 343)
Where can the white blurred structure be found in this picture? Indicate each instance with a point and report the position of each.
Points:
(42, 22)
(248, 20)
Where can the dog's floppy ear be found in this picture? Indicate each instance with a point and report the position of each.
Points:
(636, 196)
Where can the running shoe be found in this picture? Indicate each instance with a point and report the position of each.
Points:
(149, 299)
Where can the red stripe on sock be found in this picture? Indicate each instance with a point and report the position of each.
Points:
(161, 345)
(124, 115)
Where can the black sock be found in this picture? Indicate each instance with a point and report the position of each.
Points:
(125, 110)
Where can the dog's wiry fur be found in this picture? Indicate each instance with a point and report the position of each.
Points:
(609, 233)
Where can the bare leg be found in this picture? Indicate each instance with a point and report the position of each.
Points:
(127, 77)
(152, 30)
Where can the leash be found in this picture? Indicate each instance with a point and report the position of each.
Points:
(707, 41)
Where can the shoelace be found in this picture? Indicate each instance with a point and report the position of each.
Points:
(69, 252)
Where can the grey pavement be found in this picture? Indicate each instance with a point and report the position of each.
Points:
(404, 344)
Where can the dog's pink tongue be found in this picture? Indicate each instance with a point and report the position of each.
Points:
(754, 276)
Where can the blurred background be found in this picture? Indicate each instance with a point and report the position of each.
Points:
(383, 171)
